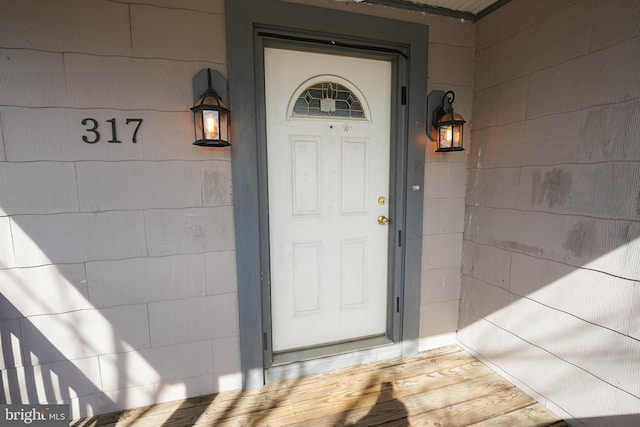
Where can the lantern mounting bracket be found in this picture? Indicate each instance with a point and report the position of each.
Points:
(434, 108)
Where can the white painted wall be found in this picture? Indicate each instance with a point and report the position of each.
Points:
(551, 271)
(117, 261)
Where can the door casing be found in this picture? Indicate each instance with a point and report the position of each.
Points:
(274, 22)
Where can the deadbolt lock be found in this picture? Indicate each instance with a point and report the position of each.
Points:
(382, 200)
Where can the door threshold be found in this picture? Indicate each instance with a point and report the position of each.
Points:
(303, 354)
(298, 363)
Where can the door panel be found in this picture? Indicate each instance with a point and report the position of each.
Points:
(325, 175)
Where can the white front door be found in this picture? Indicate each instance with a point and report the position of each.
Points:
(328, 131)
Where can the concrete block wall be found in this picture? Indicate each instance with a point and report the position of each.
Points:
(551, 270)
(117, 260)
(450, 67)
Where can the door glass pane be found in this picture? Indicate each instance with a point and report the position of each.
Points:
(328, 99)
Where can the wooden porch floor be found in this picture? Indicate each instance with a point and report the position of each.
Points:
(443, 387)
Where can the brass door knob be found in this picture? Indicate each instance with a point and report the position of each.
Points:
(383, 220)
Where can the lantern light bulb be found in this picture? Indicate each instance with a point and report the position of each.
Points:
(211, 127)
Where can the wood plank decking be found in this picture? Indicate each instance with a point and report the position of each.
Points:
(443, 387)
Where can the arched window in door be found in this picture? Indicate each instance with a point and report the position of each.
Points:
(327, 97)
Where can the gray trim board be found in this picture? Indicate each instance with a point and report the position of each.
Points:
(243, 17)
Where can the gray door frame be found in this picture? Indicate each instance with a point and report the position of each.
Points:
(252, 24)
(273, 37)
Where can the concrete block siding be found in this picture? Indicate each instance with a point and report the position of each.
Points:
(552, 240)
(135, 241)
(45, 195)
(450, 61)
(62, 288)
(117, 260)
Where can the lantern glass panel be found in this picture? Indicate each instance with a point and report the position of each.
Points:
(457, 136)
(446, 134)
(224, 126)
(197, 120)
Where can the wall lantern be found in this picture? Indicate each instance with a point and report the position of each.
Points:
(211, 118)
(443, 125)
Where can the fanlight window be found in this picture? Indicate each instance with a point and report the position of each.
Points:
(328, 99)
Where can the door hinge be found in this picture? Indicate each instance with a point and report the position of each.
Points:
(397, 304)
(265, 341)
(404, 95)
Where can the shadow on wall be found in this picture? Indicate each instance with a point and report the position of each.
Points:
(51, 382)
(375, 403)
(551, 278)
(514, 359)
(56, 347)
(37, 371)
(565, 331)
(107, 370)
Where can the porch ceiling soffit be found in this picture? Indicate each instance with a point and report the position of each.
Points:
(464, 9)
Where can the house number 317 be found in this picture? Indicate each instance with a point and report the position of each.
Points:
(93, 135)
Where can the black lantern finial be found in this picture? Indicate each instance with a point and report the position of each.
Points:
(211, 118)
(448, 126)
